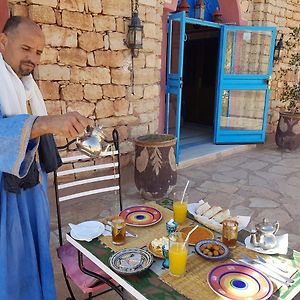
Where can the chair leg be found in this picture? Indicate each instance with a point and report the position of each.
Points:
(68, 284)
(90, 296)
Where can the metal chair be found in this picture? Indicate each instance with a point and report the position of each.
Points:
(78, 173)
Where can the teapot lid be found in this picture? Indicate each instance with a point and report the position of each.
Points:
(266, 226)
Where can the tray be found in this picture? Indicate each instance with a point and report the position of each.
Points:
(199, 234)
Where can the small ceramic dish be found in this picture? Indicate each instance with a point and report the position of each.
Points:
(131, 261)
(212, 249)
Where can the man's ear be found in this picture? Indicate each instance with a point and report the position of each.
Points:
(3, 41)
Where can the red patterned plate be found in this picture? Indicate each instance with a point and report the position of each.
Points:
(141, 215)
(237, 281)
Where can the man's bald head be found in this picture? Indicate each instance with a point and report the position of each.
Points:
(21, 44)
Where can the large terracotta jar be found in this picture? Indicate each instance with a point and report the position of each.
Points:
(155, 171)
(288, 131)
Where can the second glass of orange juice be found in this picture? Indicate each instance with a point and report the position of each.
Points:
(179, 208)
(178, 253)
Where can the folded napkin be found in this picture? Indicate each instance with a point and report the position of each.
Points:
(281, 247)
(86, 231)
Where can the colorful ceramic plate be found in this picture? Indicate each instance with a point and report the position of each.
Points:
(199, 234)
(236, 281)
(141, 215)
(203, 243)
(131, 261)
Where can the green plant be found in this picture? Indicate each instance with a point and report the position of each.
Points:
(290, 95)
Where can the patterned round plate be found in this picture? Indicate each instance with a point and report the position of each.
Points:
(141, 215)
(209, 243)
(131, 261)
(237, 281)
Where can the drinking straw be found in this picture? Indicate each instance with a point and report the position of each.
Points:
(187, 237)
(184, 191)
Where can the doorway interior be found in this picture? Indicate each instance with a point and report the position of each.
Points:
(200, 69)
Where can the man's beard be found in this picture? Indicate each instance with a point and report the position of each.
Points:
(25, 72)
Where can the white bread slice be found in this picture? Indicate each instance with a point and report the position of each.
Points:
(209, 223)
(222, 215)
(202, 209)
(212, 211)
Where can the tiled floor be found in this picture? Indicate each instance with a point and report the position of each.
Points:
(262, 182)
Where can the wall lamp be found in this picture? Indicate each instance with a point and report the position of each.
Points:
(135, 32)
(278, 48)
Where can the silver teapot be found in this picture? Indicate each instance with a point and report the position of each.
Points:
(264, 236)
(92, 143)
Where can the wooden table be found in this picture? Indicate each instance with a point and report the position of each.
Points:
(148, 285)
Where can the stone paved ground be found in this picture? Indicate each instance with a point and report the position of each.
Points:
(263, 182)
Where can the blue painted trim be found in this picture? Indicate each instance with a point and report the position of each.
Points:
(202, 23)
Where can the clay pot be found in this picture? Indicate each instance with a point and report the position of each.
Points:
(288, 131)
(155, 171)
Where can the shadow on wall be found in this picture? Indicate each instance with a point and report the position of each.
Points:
(4, 13)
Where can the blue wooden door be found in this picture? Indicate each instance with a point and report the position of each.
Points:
(245, 68)
(176, 35)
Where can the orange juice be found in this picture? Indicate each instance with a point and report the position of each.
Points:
(178, 256)
(180, 210)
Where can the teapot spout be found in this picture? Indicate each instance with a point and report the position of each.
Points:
(276, 226)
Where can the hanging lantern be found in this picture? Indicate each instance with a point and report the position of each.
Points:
(184, 6)
(199, 9)
(135, 32)
(278, 48)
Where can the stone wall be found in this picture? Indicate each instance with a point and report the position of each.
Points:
(284, 14)
(87, 67)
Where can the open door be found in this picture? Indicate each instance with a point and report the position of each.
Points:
(245, 68)
(176, 33)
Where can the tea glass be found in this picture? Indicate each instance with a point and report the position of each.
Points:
(180, 208)
(230, 233)
(178, 253)
(118, 230)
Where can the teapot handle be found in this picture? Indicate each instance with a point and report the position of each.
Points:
(276, 227)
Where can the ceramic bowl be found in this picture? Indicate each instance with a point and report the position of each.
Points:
(219, 244)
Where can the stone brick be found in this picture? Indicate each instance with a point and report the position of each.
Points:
(146, 117)
(19, 10)
(117, 8)
(94, 6)
(92, 92)
(95, 75)
(53, 107)
(90, 41)
(77, 20)
(142, 106)
(151, 14)
(112, 59)
(58, 17)
(123, 133)
(114, 91)
(121, 107)
(49, 56)
(148, 2)
(106, 42)
(59, 37)
(117, 121)
(120, 76)
(91, 59)
(49, 90)
(126, 147)
(72, 5)
(42, 14)
(104, 109)
(104, 23)
(146, 76)
(136, 131)
(72, 56)
(116, 41)
(134, 93)
(52, 72)
(140, 61)
(150, 45)
(149, 30)
(52, 3)
(72, 92)
(120, 23)
(150, 60)
(151, 91)
(153, 126)
(84, 108)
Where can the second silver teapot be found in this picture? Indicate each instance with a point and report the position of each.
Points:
(264, 236)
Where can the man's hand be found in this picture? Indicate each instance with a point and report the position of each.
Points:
(69, 125)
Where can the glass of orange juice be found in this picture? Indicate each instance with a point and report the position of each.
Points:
(178, 253)
(180, 208)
